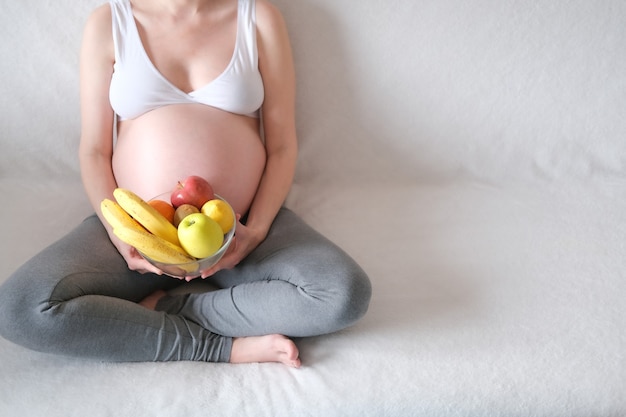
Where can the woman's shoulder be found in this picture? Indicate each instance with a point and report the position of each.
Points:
(100, 18)
(97, 34)
(267, 14)
(270, 24)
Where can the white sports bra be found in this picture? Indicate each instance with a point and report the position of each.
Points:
(138, 87)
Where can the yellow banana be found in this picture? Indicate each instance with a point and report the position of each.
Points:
(146, 215)
(152, 246)
(116, 216)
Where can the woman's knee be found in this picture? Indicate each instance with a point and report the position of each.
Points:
(29, 302)
(342, 288)
(353, 292)
(18, 312)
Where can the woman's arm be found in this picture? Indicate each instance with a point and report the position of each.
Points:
(278, 112)
(96, 139)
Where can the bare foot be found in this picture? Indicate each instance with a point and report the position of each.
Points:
(152, 300)
(270, 348)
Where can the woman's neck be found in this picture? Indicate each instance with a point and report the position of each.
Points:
(185, 8)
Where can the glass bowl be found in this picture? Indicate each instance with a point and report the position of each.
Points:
(193, 269)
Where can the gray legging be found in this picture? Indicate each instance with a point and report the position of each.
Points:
(78, 298)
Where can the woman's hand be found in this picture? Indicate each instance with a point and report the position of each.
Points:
(246, 239)
(134, 260)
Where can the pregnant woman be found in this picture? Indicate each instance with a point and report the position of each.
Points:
(169, 89)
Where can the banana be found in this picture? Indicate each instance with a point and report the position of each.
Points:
(146, 215)
(116, 216)
(152, 246)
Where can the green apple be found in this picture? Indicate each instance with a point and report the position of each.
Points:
(200, 235)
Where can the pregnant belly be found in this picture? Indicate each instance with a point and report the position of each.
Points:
(162, 147)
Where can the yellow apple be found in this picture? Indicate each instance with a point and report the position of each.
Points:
(200, 235)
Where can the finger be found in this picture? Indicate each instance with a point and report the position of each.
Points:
(156, 271)
(209, 272)
(148, 267)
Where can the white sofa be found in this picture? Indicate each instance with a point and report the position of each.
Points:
(471, 155)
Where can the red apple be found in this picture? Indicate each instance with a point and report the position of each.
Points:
(192, 190)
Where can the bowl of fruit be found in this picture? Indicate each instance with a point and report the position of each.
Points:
(182, 232)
